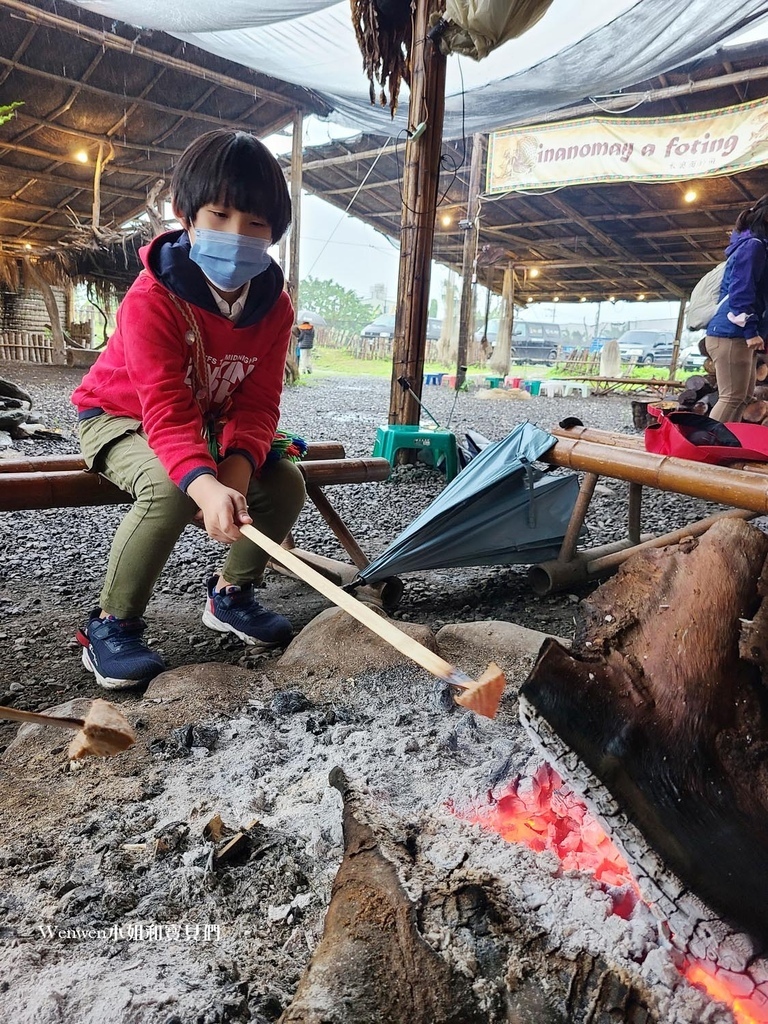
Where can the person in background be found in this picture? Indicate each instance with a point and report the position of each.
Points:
(737, 331)
(181, 407)
(305, 345)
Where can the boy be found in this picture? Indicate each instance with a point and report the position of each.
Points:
(181, 408)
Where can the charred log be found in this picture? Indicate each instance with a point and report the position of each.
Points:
(373, 963)
(661, 704)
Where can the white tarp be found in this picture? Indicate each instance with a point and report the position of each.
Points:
(577, 49)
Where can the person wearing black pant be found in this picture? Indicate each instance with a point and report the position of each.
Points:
(305, 345)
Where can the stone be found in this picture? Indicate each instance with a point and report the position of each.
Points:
(471, 645)
(334, 643)
(194, 693)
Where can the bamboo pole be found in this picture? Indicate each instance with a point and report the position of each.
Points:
(738, 488)
(606, 563)
(76, 488)
(420, 183)
(615, 440)
(297, 154)
(316, 451)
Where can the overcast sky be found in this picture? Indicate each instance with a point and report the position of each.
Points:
(336, 245)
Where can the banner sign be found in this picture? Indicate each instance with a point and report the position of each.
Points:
(629, 149)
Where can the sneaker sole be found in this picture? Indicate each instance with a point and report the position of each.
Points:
(210, 620)
(106, 681)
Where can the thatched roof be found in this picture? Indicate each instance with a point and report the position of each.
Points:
(594, 241)
(86, 82)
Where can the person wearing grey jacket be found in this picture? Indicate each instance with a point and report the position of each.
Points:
(737, 331)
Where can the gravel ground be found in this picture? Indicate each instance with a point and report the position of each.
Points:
(52, 561)
(121, 843)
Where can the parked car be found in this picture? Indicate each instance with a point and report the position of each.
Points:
(384, 327)
(691, 357)
(529, 340)
(649, 347)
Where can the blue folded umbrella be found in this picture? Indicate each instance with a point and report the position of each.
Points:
(499, 510)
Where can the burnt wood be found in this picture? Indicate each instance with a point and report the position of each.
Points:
(659, 704)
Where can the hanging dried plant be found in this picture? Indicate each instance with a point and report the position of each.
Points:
(384, 35)
(10, 272)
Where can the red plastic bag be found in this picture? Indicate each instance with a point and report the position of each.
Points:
(686, 435)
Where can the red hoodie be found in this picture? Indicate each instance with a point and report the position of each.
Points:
(144, 372)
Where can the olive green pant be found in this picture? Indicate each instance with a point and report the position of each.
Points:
(117, 448)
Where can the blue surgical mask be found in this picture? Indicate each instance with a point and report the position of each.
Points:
(229, 260)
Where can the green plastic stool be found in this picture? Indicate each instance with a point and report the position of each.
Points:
(438, 443)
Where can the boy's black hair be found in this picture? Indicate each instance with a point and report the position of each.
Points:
(236, 169)
(755, 218)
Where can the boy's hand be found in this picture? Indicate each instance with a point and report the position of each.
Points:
(222, 508)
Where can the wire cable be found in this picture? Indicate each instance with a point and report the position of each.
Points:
(349, 204)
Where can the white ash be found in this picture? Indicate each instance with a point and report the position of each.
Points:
(270, 910)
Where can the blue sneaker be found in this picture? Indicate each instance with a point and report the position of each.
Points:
(235, 610)
(115, 652)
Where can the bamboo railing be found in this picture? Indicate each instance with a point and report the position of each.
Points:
(25, 347)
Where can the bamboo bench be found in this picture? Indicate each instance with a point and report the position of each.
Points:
(62, 481)
(608, 385)
(742, 486)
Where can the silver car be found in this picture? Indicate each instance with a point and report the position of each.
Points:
(648, 347)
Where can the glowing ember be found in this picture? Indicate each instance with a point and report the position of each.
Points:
(747, 1002)
(545, 814)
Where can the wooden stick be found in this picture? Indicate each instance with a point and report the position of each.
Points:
(386, 629)
(103, 732)
(31, 716)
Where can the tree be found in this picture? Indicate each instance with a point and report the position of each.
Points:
(340, 306)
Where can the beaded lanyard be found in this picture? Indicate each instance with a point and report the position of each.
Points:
(284, 445)
(201, 380)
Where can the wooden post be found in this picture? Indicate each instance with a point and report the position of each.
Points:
(420, 181)
(470, 248)
(296, 179)
(678, 332)
(501, 353)
(58, 344)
